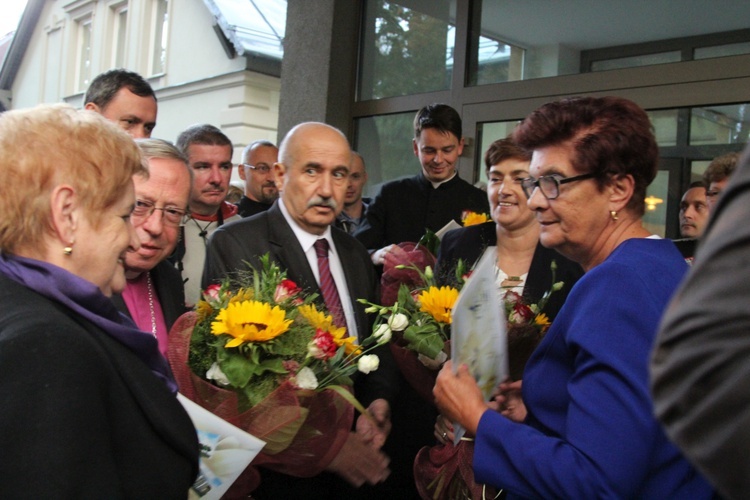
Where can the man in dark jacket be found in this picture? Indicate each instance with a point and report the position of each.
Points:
(405, 208)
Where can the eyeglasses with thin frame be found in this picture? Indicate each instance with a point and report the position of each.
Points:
(263, 169)
(171, 216)
(550, 184)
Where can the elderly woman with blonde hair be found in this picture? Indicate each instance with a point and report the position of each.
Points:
(89, 406)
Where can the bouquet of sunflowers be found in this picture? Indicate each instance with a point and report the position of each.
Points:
(262, 355)
(418, 322)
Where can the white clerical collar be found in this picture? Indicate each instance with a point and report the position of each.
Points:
(306, 239)
(436, 185)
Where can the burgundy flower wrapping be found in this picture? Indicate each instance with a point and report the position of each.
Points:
(304, 430)
(444, 472)
(419, 376)
(403, 254)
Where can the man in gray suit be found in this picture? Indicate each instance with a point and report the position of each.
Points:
(312, 177)
(700, 368)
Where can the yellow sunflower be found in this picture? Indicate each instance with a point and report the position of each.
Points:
(250, 321)
(318, 319)
(473, 218)
(438, 302)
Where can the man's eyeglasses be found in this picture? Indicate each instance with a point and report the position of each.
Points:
(550, 184)
(263, 169)
(171, 216)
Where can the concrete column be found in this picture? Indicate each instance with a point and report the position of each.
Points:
(319, 68)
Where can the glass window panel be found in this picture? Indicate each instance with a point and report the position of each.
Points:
(719, 125)
(159, 41)
(84, 53)
(118, 28)
(552, 38)
(407, 47)
(489, 133)
(697, 167)
(730, 49)
(655, 217)
(385, 142)
(665, 126)
(492, 60)
(636, 61)
(121, 23)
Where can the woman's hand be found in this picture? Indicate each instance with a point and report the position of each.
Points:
(443, 430)
(509, 401)
(458, 397)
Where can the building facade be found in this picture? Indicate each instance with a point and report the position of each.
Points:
(181, 47)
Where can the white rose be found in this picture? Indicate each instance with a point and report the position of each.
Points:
(382, 333)
(368, 363)
(306, 379)
(398, 322)
(215, 373)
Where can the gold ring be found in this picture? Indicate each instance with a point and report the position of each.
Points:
(445, 435)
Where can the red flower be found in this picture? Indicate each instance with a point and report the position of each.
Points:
(285, 290)
(520, 314)
(323, 345)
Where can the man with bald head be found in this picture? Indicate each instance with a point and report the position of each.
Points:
(312, 176)
(256, 170)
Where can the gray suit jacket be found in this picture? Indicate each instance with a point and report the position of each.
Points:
(700, 368)
(245, 241)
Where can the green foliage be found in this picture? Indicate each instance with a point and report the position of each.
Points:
(430, 241)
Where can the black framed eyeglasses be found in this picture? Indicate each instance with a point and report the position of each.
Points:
(171, 216)
(550, 184)
(263, 169)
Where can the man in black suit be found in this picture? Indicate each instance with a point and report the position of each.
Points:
(405, 208)
(312, 178)
(154, 296)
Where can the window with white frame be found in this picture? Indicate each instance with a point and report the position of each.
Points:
(118, 22)
(83, 52)
(159, 33)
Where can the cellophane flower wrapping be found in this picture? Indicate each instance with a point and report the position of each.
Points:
(261, 354)
(402, 265)
(445, 472)
(303, 429)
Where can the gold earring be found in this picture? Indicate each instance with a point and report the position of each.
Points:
(68, 250)
(613, 214)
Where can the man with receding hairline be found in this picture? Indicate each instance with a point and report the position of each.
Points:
(256, 170)
(312, 177)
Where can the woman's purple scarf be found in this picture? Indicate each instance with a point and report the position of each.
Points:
(86, 300)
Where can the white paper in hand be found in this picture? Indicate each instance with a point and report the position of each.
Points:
(478, 330)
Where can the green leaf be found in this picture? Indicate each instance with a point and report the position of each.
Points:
(425, 339)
